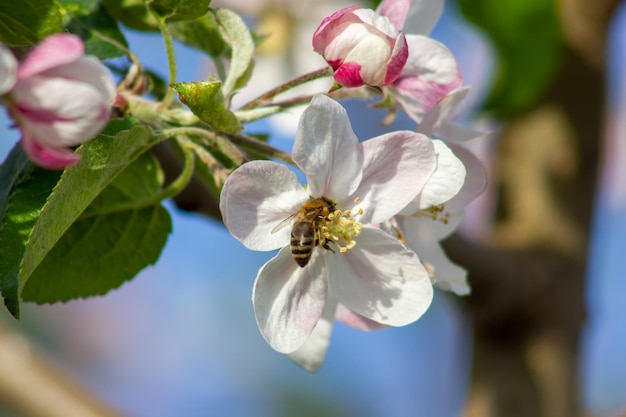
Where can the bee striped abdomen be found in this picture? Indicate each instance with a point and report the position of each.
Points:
(302, 241)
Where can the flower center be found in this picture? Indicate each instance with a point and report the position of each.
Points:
(339, 228)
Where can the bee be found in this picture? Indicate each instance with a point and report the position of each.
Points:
(305, 231)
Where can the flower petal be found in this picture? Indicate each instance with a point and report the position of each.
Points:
(327, 150)
(475, 179)
(395, 168)
(429, 74)
(53, 51)
(8, 69)
(380, 279)
(324, 33)
(443, 184)
(423, 235)
(356, 321)
(413, 16)
(48, 158)
(256, 198)
(312, 353)
(288, 300)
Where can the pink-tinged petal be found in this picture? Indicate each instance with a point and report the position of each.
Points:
(396, 11)
(437, 122)
(89, 70)
(377, 22)
(48, 158)
(357, 321)
(398, 59)
(8, 69)
(444, 183)
(429, 74)
(288, 300)
(256, 198)
(380, 279)
(53, 51)
(475, 179)
(444, 109)
(58, 111)
(327, 150)
(395, 168)
(312, 353)
(322, 35)
(349, 75)
(422, 235)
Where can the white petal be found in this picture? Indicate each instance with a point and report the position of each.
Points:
(475, 179)
(395, 168)
(311, 355)
(423, 235)
(288, 300)
(380, 279)
(327, 150)
(422, 16)
(443, 184)
(8, 69)
(256, 198)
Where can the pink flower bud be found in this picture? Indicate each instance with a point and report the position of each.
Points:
(61, 99)
(363, 47)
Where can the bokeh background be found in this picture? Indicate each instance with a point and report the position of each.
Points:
(181, 339)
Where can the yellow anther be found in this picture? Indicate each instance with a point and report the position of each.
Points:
(357, 200)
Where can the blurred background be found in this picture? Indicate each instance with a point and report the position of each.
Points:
(541, 335)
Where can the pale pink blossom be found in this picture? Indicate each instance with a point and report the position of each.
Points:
(60, 99)
(431, 71)
(362, 47)
(389, 48)
(365, 269)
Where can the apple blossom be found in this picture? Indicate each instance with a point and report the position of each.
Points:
(431, 71)
(389, 48)
(426, 208)
(360, 266)
(60, 98)
(362, 47)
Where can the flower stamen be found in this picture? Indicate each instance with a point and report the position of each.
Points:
(340, 228)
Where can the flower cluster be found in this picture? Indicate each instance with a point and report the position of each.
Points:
(58, 97)
(389, 48)
(360, 242)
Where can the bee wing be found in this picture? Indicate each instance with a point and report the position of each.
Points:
(284, 223)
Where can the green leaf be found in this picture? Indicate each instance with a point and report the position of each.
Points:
(79, 7)
(27, 22)
(100, 33)
(114, 239)
(205, 99)
(201, 33)
(237, 35)
(24, 189)
(176, 10)
(527, 39)
(102, 160)
(134, 14)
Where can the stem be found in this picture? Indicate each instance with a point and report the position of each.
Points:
(260, 147)
(171, 190)
(268, 96)
(171, 56)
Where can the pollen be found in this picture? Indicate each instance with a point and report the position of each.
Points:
(340, 228)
